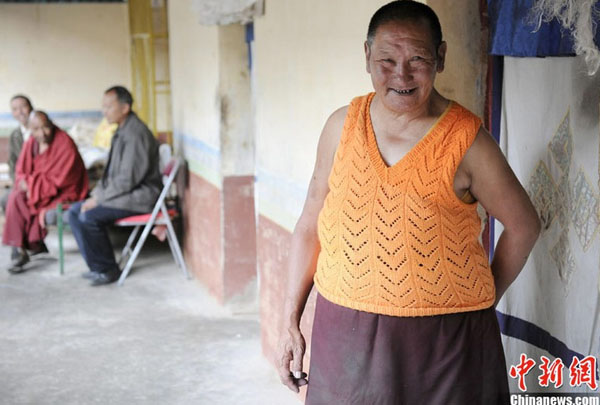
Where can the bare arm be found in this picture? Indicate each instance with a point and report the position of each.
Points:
(494, 184)
(303, 256)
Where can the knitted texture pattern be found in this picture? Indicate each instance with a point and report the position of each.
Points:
(396, 240)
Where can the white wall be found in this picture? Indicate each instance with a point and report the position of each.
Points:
(464, 75)
(194, 66)
(63, 55)
(309, 61)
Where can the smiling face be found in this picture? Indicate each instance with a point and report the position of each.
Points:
(20, 109)
(403, 62)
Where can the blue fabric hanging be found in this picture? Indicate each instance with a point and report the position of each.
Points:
(511, 32)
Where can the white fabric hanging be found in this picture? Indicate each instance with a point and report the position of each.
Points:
(550, 135)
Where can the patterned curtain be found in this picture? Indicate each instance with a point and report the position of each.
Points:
(550, 135)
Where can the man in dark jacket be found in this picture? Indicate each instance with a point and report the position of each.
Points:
(130, 185)
(20, 107)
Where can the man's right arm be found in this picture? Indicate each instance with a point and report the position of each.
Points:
(303, 254)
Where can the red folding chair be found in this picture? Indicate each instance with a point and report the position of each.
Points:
(159, 216)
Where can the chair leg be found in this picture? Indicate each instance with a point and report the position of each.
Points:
(172, 239)
(170, 242)
(59, 224)
(127, 249)
(175, 245)
(135, 253)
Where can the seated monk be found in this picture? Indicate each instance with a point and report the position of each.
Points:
(49, 170)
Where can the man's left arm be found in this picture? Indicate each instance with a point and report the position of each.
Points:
(136, 156)
(498, 190)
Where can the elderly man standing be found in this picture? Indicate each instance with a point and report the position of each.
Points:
(20, 107)
(130, 185)
(49, 170)
(389, 237)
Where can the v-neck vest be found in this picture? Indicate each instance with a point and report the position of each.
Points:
(395, 240)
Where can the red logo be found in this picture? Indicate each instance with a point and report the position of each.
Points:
(551, 373)
(521, 370)
(583, 372)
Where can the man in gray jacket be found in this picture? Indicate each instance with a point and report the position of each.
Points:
(130, 185)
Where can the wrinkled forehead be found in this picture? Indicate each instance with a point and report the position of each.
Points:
(416, 32)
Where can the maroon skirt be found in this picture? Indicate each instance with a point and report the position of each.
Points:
(363, 358)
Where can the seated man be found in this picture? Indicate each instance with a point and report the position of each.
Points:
(49, 170)
(20, 107)
(130, 185)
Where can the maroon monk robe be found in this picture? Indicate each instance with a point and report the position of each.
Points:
(57, 175)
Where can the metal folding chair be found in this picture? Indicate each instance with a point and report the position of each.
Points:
(160, 215)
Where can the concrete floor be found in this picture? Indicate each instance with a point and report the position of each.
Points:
(159, 339)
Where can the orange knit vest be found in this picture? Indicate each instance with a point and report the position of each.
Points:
(396, 240)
